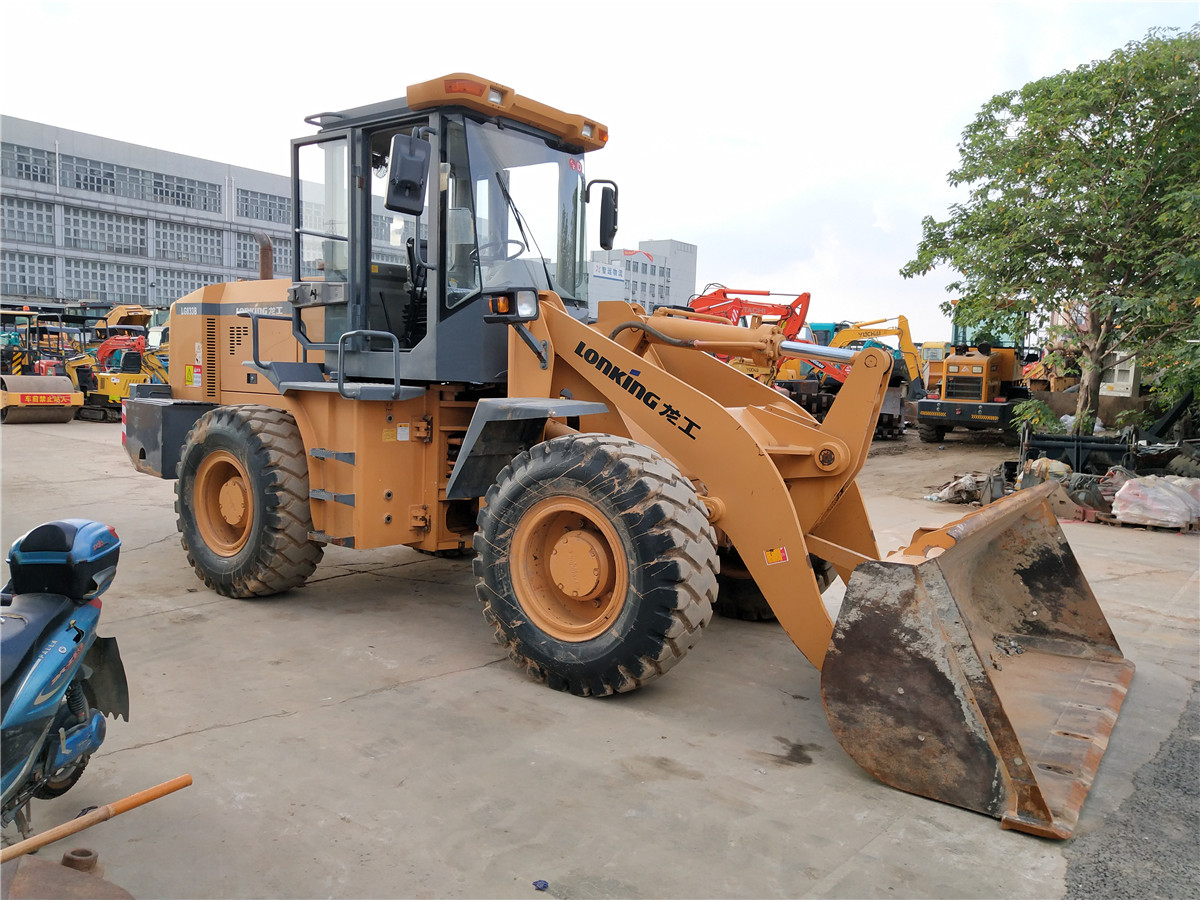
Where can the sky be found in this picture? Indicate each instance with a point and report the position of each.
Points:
(797, 144)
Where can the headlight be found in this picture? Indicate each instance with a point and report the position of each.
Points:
(527, 304)
(510, 307)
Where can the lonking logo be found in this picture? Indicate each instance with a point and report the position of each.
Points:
(628, 381)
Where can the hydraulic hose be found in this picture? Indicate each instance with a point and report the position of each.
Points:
(653, 332)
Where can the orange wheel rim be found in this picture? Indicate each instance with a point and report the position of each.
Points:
(223, 503)
(568, 569)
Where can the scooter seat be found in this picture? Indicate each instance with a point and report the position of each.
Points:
(23, 623)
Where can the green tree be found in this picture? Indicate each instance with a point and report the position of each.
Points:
(1082, 220)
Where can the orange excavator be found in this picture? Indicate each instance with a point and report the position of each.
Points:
(735, 307)
(812, 383)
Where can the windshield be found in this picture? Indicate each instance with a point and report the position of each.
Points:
(520, 222)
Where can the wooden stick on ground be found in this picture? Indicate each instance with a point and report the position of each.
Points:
(100, 814)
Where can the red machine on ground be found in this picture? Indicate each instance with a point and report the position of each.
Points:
(811, 383)
(733, 306)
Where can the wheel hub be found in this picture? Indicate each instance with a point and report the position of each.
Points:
(222, 502)
(569, 569)
(579, 565)
(233, 501)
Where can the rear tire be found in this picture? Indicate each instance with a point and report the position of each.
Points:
(597, 564)
(62, 780)
(242, 502)
(1184, 466)
(929, 433)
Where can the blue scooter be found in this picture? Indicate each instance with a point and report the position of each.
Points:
(59, 678)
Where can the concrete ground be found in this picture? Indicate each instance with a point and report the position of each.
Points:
(365, 737)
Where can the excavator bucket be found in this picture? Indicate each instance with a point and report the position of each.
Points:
(976, 667)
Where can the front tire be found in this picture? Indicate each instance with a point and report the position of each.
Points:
(597, 564)
(929, 433)
(242, 502)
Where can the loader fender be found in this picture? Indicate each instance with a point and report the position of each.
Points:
(500, 429)
(977, 668)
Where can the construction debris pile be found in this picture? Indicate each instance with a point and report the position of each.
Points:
(1119, 496)
(1167, 501)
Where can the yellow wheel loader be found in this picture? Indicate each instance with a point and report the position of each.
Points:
(430, 376)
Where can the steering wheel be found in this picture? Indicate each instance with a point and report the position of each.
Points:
(480, 252)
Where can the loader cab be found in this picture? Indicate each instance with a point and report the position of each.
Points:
(407, 214)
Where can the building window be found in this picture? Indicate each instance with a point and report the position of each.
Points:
(101, 177)
(282, 253)
(114, 282)
(188, 243)
(246, 253)
(27, 163)
(88, 175)
(28, 221)
(96, 176)
(187, 192)
(653, 270)
(265, 207)
(381, 228)
(90, 229)
(175, 283)
(643, 268)
(27, 275)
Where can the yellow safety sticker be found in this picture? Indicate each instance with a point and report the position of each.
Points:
(775, 555)
(396, 433)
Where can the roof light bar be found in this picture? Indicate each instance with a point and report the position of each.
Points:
(491, 98)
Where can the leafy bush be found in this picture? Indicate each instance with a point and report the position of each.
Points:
(1041, 418)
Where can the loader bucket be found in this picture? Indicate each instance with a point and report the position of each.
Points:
(976, 667)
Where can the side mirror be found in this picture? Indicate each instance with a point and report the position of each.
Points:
(608, 218)
(407, 174)
(608, 211)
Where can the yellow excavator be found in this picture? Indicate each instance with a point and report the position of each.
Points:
(430, 376)
(815, 389)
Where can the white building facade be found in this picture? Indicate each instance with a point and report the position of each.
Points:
(657, 273)
(87, 218)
